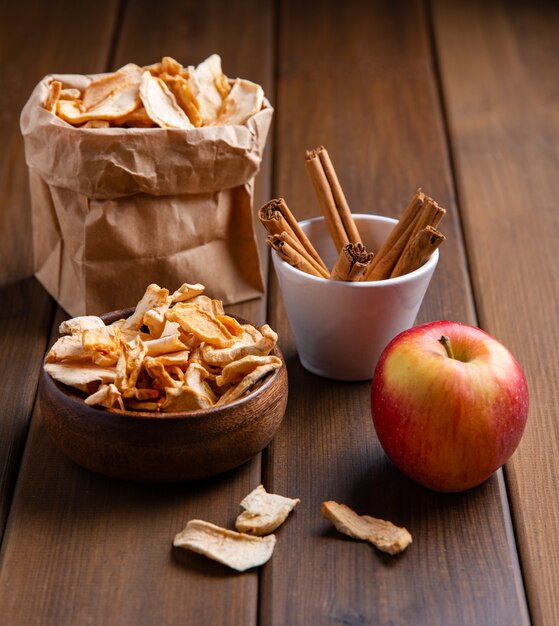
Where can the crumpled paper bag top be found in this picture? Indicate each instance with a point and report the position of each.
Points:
(114, 162)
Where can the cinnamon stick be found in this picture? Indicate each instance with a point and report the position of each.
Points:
(352, 262)
(388, 254)
(277, 218)
(298, 246)
(430, 215)
(331, 198)
(291, 255)
(420, 249)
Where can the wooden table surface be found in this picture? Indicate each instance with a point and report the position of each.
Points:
(460, 98)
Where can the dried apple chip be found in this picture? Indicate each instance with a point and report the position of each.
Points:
(141, 393)
(154, 297)
(170, 66)
(184, 398)
(192, 319)
(156, 369)
(195, 377)
(98, 90)
(103, 344)
(223, 85)
(161, 105)
(136, 119)
(239, 390)
(80, 375)
(187, 292)
(384, 535)
(108, 396)
(129, 364)
(116, 105)
(215, 307)
(264, 512)
(164, 345)
(80, 323)
(235, 371)
(232, 325)
(179, 87)
(53, 96)
(258, 344)
(179, 359)
(68, 348)
(244, 100)
(69, 93)
(202, 84)
(239, 551)
(136, 405)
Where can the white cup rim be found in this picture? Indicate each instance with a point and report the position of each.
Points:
(426, 267)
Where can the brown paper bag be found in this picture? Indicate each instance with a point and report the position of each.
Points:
(116, 209)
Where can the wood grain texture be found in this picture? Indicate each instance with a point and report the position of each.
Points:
(38, 38)
(499, 65)
(25, 318)
(86, 549)
(360, 81)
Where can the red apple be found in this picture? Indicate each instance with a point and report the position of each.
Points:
(449, 404)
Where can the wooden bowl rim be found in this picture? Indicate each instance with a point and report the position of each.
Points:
(57, 387)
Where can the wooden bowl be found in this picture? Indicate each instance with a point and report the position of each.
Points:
(163, 447)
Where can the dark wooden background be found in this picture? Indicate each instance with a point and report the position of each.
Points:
(460, 98)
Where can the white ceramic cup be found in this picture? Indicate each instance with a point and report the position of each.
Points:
(341, 328)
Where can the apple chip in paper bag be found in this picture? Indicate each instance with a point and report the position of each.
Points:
(115, 207)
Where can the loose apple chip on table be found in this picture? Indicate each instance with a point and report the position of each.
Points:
(382, 534)
(175, 353)
(239, 551)
(264, 512)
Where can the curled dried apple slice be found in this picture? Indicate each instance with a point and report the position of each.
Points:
(129, 364)
(53, 96)
(193, 319)
(244, 99)
(108, 396)
(99, 89)
(80, 375)
(384, 535)
(236, 550)
(155, 297)
(264, 511)
(203, 87)
(79, 324)
(116, 105)
(160, 104)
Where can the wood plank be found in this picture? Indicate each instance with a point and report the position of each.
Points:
(37, 38)
(25, 319)
(499, 64)
(360, 81)
(86, 549)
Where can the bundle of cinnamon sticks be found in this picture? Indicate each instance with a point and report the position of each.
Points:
(410, 244)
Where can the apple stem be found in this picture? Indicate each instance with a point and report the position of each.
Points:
(447, 346)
